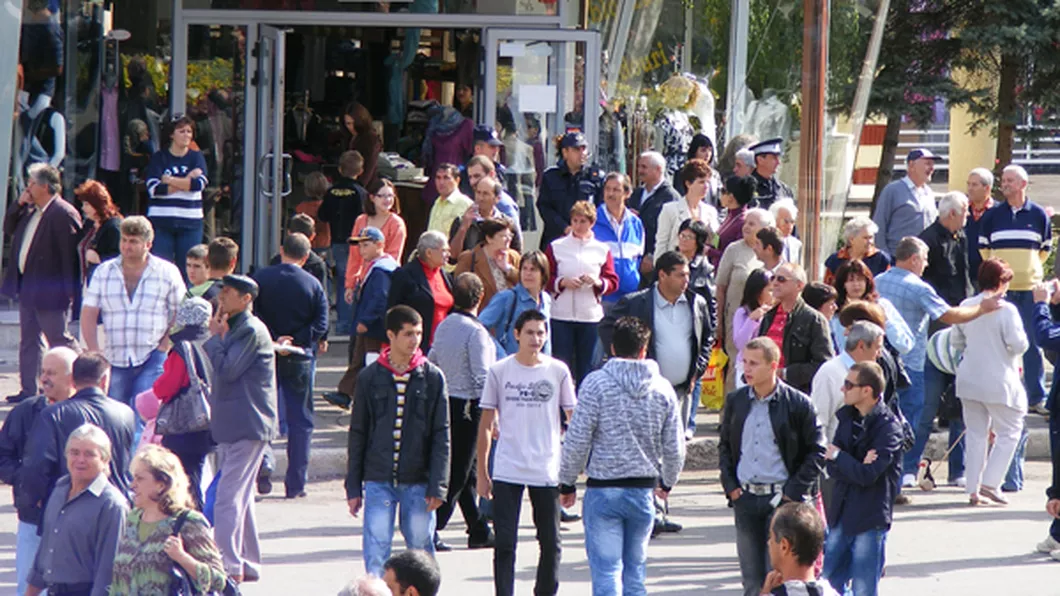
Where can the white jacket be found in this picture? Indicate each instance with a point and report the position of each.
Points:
(993, 348)
(572, 257)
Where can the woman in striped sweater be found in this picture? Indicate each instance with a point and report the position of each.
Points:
(176, 177)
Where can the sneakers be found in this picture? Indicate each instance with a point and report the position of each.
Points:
(1039, 409)
(568, 518)
(1048, 545)
(908, 480)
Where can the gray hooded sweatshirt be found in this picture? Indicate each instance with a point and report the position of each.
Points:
(627, 427)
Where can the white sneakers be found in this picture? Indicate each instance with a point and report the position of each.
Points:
(1051, 547)
(908, 480)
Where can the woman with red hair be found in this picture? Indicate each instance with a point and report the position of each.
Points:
(102, 233)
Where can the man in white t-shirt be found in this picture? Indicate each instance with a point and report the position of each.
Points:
(525, 393)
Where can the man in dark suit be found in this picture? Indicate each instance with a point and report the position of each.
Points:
(424, 285)
(43, 272)
(647, 202)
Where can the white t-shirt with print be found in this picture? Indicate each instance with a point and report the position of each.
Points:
(528, 401)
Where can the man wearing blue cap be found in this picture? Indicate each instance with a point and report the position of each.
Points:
(488, 145)
(569, 181)
(906, 207)
(767, 160)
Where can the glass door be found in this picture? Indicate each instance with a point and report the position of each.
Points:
(541, 83)
(272, 180)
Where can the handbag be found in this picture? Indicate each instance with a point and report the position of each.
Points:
(189, 410)
(180, 585)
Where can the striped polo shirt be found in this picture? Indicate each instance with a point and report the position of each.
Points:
(1020, 237)
(169, 205)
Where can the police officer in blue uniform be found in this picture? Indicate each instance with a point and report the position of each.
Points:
(767, 160)
(572, 179)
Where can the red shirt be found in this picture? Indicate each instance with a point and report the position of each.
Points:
(443, 300)
(776, 330)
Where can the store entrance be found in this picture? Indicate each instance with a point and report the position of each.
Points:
(283, 94)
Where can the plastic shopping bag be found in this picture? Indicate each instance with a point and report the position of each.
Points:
(712, 394)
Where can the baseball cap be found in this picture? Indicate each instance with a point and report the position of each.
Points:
(920, 153)
(369, 233)
(487, 134)
(573, 139)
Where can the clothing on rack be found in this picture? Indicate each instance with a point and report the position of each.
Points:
(673, 135)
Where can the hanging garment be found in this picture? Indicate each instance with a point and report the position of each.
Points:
(611, 148)
(673, 135)
(110, 136)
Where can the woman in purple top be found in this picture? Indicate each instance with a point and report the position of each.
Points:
(757, 300)
(738, 192)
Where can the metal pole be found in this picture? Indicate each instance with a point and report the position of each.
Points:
(811, 154)
(739, 22)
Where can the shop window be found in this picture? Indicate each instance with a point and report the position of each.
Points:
(494, 7)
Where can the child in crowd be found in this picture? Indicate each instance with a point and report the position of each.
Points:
(197, 271)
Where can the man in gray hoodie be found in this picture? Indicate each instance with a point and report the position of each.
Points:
(628, 436)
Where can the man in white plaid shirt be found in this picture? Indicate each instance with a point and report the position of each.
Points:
(138, 294)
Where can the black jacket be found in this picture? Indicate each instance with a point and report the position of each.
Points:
(807, 343)
(424, 455)
(799, 438)
(13, 439)
(863, 497)
(409, 286)
(641, 304)
(45, 456)
(648, 209)
(559, 190)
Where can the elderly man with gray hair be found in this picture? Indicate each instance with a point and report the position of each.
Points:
(424, 285)
(743, 162)
(918, 304)
(980, 185)
(43, 269)
(367, 585)
(647, 202)
(82, 522)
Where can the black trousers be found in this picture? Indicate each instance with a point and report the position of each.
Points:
(753, 515)
(464, 415)
(192, 459)
(507, 503)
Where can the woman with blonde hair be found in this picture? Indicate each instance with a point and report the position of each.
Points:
(164, 530)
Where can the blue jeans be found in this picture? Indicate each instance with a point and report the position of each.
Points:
(173, 241)
(574, 343)
(935, 382)
(126, 382)
(1014, 476)
(911, 399)
(381, 501)
(618, 523)
(696, 389)
(854, 558)
(1033, 371)
(26, 544)
(295, 384)
(343, 311)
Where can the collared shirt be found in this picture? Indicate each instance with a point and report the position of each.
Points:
(30, 232)
(648, 192)
(672, 335)
(80, 535)
(1021, 237)
(135, 326)
(446, 209)
(918, 304)
(760, 459)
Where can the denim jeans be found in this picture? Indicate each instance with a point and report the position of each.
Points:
(696, 390)
(26, 544)
(507, 502)
(854, 558)
(935, 382)
(574, 343)
(381, 501)
(295, 383)
(126, 382)
(1014, 476)
(753, 514)
(173, 241)
(1033, 370)
(618, 523)
(911, 399)
(343, 311)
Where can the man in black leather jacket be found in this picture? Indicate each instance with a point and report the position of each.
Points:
(45, 459)
(771, 450)
(805, 339)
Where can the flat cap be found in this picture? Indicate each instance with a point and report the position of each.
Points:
(242, 284)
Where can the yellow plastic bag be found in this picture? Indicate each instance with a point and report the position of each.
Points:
(712, 394)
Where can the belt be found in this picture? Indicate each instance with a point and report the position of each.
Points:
(70, 589)
(762, 490)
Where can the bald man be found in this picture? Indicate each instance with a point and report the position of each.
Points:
(57, 383)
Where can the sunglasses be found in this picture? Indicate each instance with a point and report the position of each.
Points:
(780, 279)
(847, 385)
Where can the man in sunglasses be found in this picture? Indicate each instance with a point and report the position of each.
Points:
(801, 332)
(865, 460)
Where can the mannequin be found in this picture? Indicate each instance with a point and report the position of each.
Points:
(702, 107)
(673, 129)
(43, 135)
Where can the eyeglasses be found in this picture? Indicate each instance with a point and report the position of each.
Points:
(780, 279)
(847, 385)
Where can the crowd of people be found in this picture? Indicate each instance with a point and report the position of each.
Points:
(481, 369)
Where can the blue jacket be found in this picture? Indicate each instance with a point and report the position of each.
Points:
(503, 309)
(863, 497)
(1047, 334)
(627, 248)
(371, 296)
(14, 437)
(292, 302)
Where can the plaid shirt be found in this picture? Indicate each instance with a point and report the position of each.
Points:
(135, 326)
(918, 304)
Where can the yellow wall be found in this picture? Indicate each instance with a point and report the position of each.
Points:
(968, 151)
